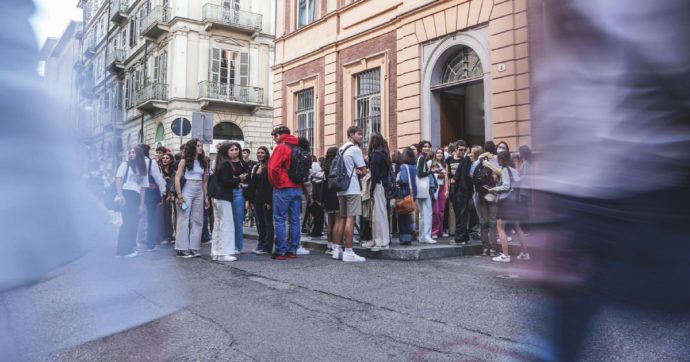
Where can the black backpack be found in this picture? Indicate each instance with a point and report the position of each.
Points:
(300, 164)
(482, 176)
(338, 179)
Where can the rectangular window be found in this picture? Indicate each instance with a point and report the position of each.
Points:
(305, 115)
(160, 68)
(133, 31)
(306, 12)
(228, 70)
(368, 103)
(128, 93)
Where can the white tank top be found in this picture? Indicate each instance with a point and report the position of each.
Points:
(196, 173)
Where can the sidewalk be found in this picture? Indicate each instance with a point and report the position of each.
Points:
(416, 251)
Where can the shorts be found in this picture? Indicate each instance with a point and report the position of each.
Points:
(350, 205)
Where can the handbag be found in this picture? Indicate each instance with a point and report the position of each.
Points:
(406, 205)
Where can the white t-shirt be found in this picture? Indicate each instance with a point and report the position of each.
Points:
(133, 182)
(353, 159)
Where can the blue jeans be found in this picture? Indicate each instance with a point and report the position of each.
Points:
(238, 217)
(286, 201)
(406, 227)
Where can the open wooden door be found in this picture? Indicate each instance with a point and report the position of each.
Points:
(452, 118)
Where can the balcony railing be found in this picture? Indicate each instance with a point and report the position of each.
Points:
(231, 93)
(115, 59)
(151, 92)
(151, 24)
(111, 118)
(233, 18)
(90, 46)
(118, 10)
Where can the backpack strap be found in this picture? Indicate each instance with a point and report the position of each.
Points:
(353, 164)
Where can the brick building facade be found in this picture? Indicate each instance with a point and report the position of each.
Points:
(410, 69)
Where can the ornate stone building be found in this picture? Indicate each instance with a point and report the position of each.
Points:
(145, 63)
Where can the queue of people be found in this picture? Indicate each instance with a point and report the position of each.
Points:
(418, 193)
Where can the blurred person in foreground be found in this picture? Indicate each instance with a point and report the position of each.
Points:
(611, 129)
(46, 307)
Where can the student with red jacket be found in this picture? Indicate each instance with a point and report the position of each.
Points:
(287, 195)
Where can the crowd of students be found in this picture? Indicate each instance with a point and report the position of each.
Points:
(417, 193)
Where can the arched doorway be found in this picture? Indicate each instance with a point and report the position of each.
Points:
(459, 94)
(227, 131)
(456, 88)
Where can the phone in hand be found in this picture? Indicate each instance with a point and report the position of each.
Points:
(184, 206)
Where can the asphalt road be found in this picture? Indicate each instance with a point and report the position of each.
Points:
(158, 308)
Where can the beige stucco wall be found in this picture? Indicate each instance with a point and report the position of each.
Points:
(415, 23)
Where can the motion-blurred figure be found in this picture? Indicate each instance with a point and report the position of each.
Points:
(49, 220)
(611, 128)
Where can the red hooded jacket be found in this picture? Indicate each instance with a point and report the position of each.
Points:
(279, 163)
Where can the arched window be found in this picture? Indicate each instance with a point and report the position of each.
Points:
(160, 133)
(227, 131)
(464, 66)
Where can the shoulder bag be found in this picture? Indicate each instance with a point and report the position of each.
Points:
(406, 205)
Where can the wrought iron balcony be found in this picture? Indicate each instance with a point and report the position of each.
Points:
(118, 10)
(151, 97)
(228, 18)
(90, 46)
(155, 22)
(230, 94)
(111, 118)
(115, 61)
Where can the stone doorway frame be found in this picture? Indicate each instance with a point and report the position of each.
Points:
(434, 56)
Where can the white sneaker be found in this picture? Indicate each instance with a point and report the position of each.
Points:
(523, 256)
(502, 258)
(445, 235)
(225, 258)
(430, 241)
(337, 253)
(329, 251)
(302, 251)
(378, 248)
(368, 244)
(351, 257)
(130, 255)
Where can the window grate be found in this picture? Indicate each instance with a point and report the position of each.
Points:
(305, 116)
(368, 103)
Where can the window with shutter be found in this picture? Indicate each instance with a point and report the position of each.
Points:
(156, 63)
(133, 32)
(244, 69)
(215, 65)
(163, 68)
(128, 93)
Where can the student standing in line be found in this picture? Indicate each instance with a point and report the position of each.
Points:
(153, 195)
(350, 200)
(438, 206)
(407, 185)
(166, 207)
(424, 193)
(287, 195)
(330, 198)
(262, 191)
(223, 241)
(130, 180)
(192, 199)
(240, 173)
(380, 167)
